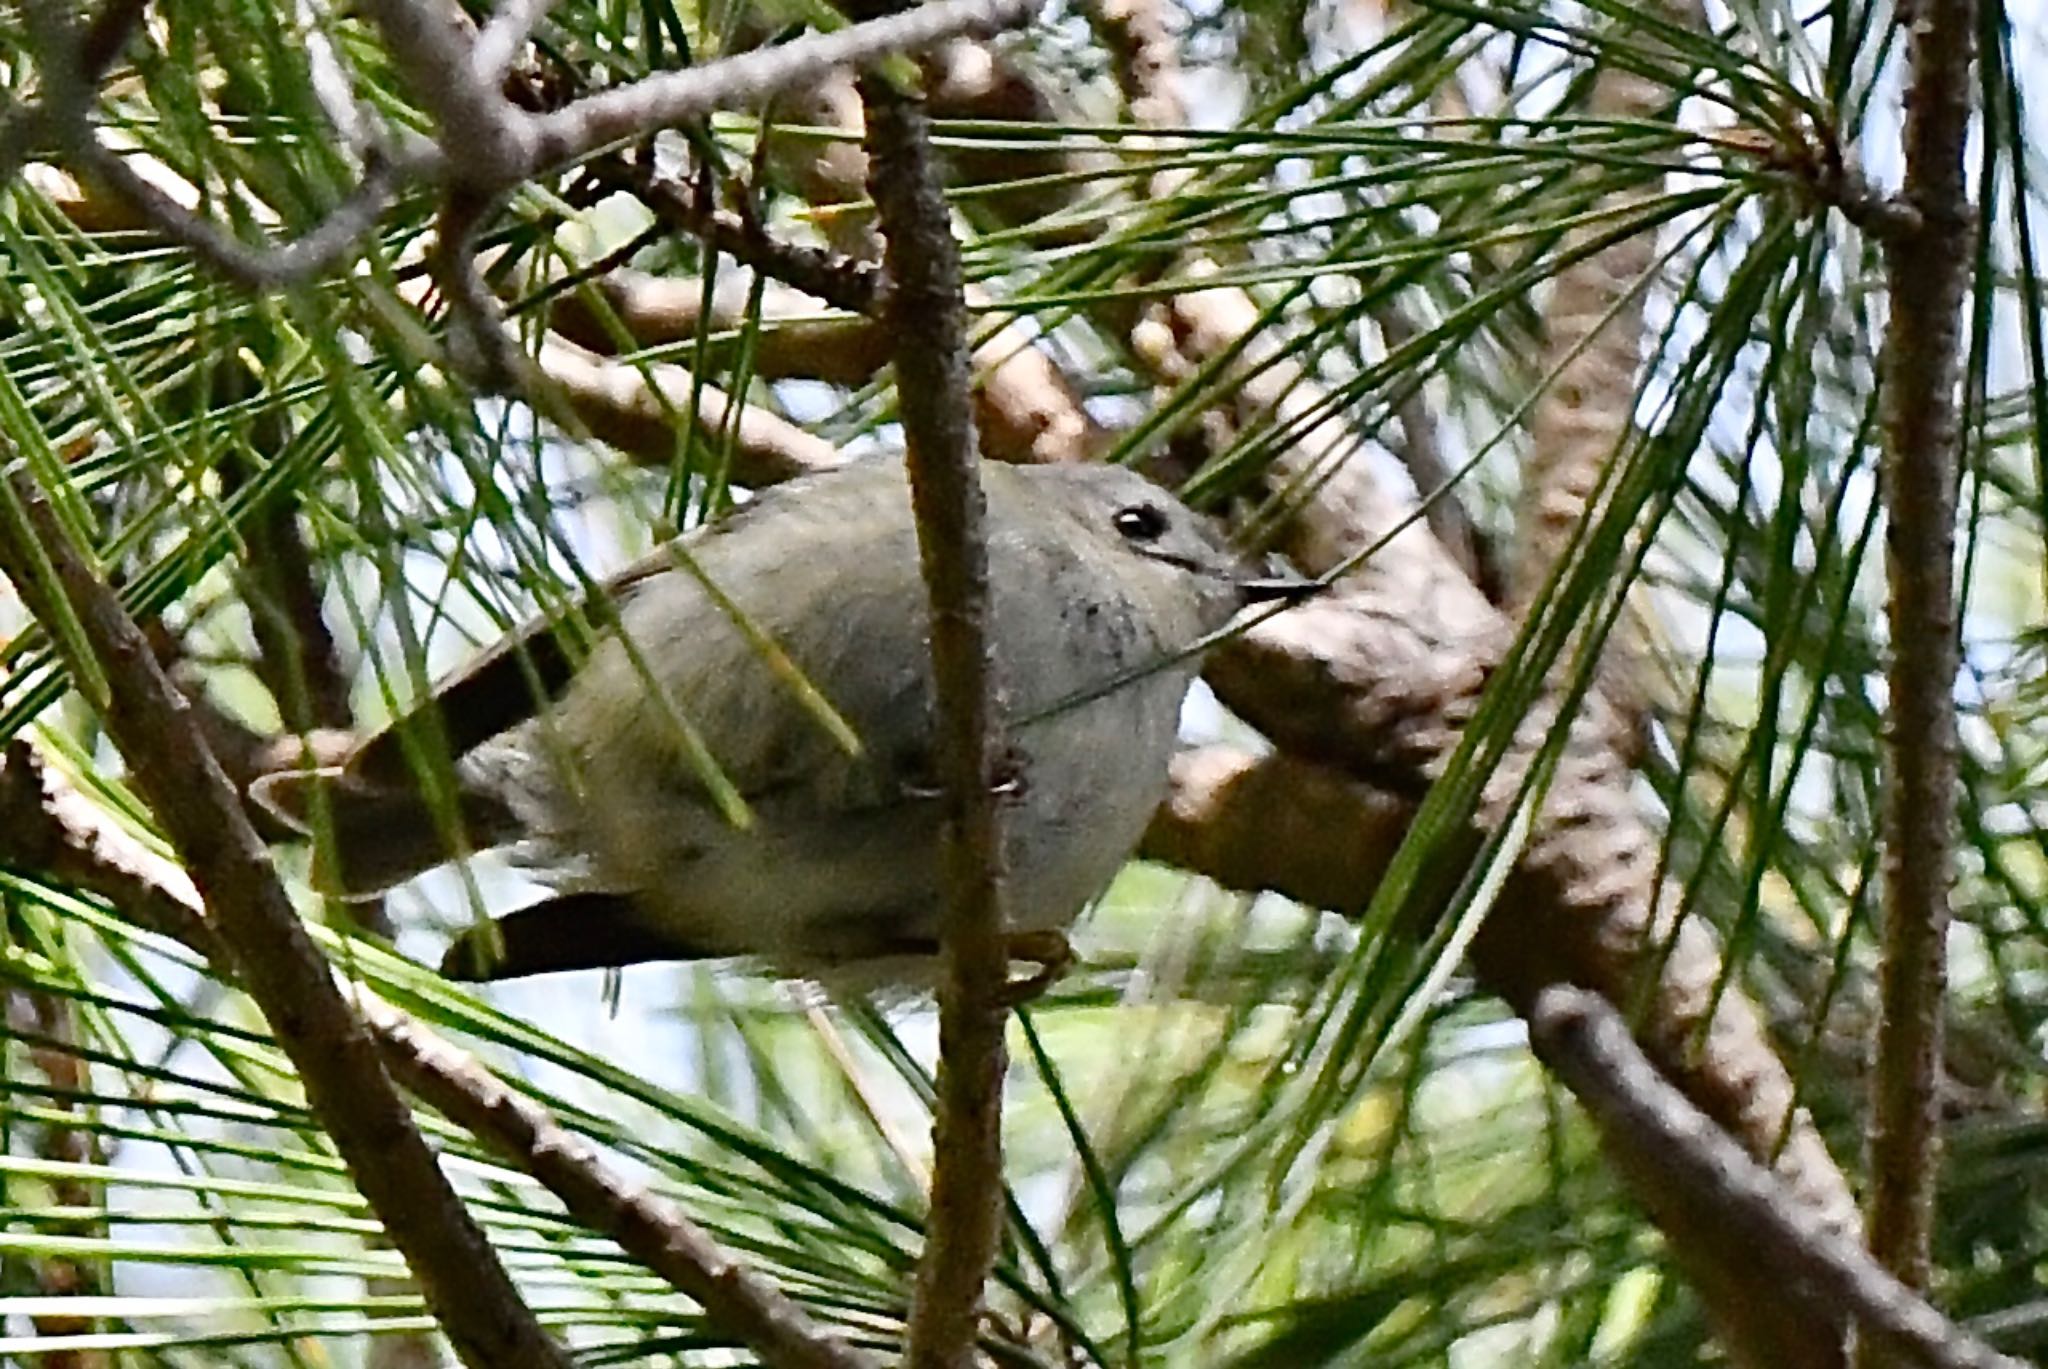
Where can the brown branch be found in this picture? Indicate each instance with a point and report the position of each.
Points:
(795, 341)
(1024, 409)
(72, 67)
(283, 971)
(481, 347)
(1683, 1160)
(979, 83)
(1277, 821)
(843, 282)
(831, 176)
(107, 34)
(484, 145)
(300, 665)
(48, 827)
(926, 314)
(1592, 354)
(1928, 266)
(1591, 360)
(323, 248)
(71, 60)
(297, 659)
(1372, 684)
(489, 145)
(1420, 450)
(296, 656)
(636, 408)
(646, 1226)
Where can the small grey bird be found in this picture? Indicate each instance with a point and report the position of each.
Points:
(582, 761)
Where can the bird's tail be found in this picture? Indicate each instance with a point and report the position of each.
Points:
(369, 836)
(575, 931)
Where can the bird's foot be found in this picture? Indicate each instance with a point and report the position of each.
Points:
(1011, 785)
(1006, 780)
(1051, 952)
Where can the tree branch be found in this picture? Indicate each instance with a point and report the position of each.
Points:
(925, 313)
(646, 1226)
(796, 340)
(636, 407)
(500, 40)
(484, 145)
(1277, 821)
(662, 101)
(1593, 352)
(1928, 265)
(1683, 1159)
(327, 245)
(842, 282)
(69, 81)
(488, 144)
(480, 344)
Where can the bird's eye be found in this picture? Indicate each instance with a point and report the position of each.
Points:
(1141, 522)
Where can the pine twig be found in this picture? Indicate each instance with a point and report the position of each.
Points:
(1928, 263)
(926, 314)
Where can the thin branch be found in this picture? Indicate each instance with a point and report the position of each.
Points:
(488, 144)
(636, 407)
(71, 59)
(283, 971)
(106, 35)
(485, 143)
(501, 39)
(646, 1226)
(329, 244)
(1026, 408)
(1928, 265)
(670, 98)
(796, 340)
(1652, 1129)
(926, 315)
(70, 75)
(333, 90)
(480, 345)
(842, 282)
(297, 658)
(48, 827)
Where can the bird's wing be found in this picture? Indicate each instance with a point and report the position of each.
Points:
(505, 686)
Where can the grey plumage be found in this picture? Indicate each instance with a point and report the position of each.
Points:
(1096, 575)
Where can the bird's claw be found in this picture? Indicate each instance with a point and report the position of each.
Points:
(1051, 952)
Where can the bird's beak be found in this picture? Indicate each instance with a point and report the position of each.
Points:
(1279, 584)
